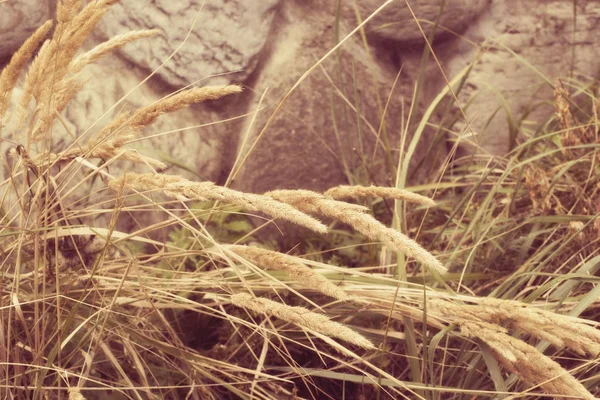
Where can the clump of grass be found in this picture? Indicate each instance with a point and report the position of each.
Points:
(89, 311)
(355, 217)
(273, 260)
(525, 360)
(182, 189)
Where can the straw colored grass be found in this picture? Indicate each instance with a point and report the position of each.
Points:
(128, 125)
(111, 45)
(302, 317)
(524, 360)
(315, 203)
(110, 141)
(560, 330)
(10, 73)
(273, 260)
(344, 192)
(47, 81)
(182, 189)
(91, 311)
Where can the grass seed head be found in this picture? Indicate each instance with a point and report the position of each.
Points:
(524, 360)
(272, 260)
(302, 317)
(314, 203)
(342, 192)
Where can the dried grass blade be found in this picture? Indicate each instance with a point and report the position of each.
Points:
(315, 203)
(303, 317)
(273, 260)
(182, 189)
(343, 192)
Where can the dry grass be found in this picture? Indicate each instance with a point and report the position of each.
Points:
(314, 203)
(342, 192)
(524, 360)
(303, 317)
(182, 189)
(88, 311)
(559, 330)
(273, 260)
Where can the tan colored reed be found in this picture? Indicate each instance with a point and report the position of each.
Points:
(524, 360)
(182, 189)
(559, 330)
(344, 192)
(110, 45)
(273, 260)
(47, 74)
(125, 124)
(315, 203)
(302, 317)
(12, 71)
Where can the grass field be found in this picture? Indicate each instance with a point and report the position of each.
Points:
(482, 283)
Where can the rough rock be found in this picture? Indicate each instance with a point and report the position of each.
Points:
(526, 48)
(335, 114)
(226, 38)
(396, 21)
(18, 20)
(315, 139)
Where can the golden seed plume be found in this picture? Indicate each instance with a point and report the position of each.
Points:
(524, 360)
(109, 142)
(10, 73)
(303, 317)
(126, 126)
(126, 123)
(315, 203)
(344, 192)
(110, 45)
(182, 189)
(273, 260)
(48, 72)
(559, 330)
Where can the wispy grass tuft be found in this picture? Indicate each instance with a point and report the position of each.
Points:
(91, 309)
(314, 203)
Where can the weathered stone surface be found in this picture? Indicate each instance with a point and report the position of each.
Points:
(316, 138)
(526, 49)
(335, 114)
(226, 38)
(18, 19)
(396, 21)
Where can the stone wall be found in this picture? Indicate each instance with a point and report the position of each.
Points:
(347, 118)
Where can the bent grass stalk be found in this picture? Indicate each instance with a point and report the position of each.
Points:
(342, 192)
(525, 360)
(302, 317)
(273, 260)
(182, 189)
(315, 203)
(113, 316)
